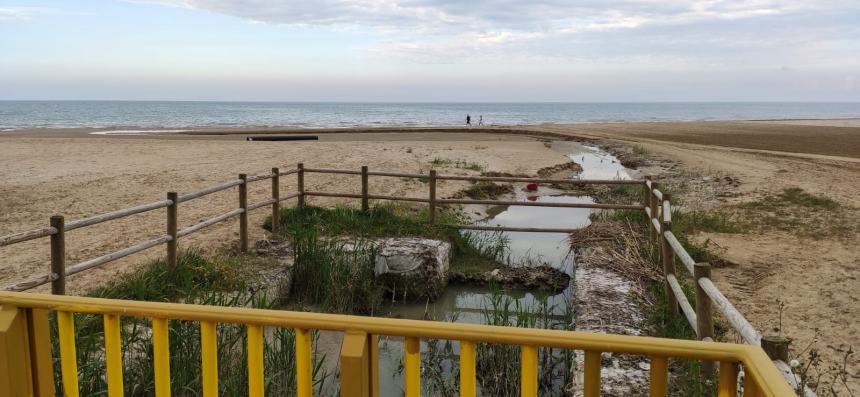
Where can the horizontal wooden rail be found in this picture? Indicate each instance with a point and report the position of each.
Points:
(656, 225)
(667, 212)
(260, 177)
(332, 171)
(209, 190)
(28, 235)
(289, 196)
(686, 259)
(542, 204)
(209, 222)
(329, 194)
(686, 308)
(288, 172)
(32, 282)
(515, 229)
(116, 214)
(397, 174)
(260, 204)
(540, 180)
(398, 198)
(736, 319)
(116, 255)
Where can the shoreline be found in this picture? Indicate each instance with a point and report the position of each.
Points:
(217, 130)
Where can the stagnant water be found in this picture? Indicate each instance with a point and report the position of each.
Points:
(468, 303)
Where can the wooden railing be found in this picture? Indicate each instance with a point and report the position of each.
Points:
(699, 314)
(58, 227)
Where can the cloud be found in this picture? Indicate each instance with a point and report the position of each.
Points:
(457, 30)
(28, 13)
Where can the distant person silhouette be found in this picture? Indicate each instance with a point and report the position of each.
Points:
(481, 119)
(468, 120)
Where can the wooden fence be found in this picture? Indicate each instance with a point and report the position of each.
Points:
(655, 204)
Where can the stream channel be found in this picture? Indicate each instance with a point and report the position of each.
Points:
(470, 303)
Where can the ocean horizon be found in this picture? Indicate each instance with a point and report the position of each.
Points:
(35, 114)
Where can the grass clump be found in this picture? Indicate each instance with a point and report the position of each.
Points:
(462, 164)
(800, 213)
(335, 251)
(485, 191)
(196, 280)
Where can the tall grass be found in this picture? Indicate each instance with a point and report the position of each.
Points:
(337, 276)
(498, 366)
(194, 280)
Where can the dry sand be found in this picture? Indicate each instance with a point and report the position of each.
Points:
(75, 174)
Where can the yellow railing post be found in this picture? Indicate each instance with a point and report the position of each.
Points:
(659, 376)
(113, 355)
(355, 372)
(15, 374)
(209, 358)
(161, 357)
(256, 379)
(467, 368)
(41, 361)
(68, 353)
(591, 388)
(413, 367)
(728, 379)
(529, 371)
(304, 371)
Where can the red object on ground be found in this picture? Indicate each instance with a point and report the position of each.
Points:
(531, 186)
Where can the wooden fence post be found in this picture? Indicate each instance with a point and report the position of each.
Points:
(646, 197)
(365, 204)
(58, 255)
(704, 316)
(276, 196)
(654, 204)
(172, 224)
(668, 257)
(432, 196)
(776, 347)
(300, 183)
(243, 217)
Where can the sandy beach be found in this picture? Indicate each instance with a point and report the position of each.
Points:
(77, 174)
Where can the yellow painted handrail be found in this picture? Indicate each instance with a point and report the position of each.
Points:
(761, 374)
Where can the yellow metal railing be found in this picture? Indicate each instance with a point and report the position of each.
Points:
(25, 355)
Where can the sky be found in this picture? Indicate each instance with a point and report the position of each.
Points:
(431, 50)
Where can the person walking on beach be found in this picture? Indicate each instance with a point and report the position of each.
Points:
(468, 120)
(481, 119)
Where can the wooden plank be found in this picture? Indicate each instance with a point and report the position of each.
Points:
(243, 217)
(289, 172)
(686, 259)
(667, 211)
(332, 171)
(290, 196)
(32, 282)
(515, 229)
(260, 177)
(210, 222)
(397, 174)
(328, 194)
(116, 214)
(260, 204)
(172, 225)
(541, 204)
(749, 334)
(25, 236)
(210, 190)
(540, 180)
(655, 224)
(658, 194)
(116, 255)
(688, 310)
(58, 255)
(395, 198)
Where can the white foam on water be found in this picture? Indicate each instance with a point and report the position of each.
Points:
(134, 132)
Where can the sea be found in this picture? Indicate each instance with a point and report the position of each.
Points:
(142, 115)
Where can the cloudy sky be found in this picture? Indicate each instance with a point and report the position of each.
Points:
(431, 50)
